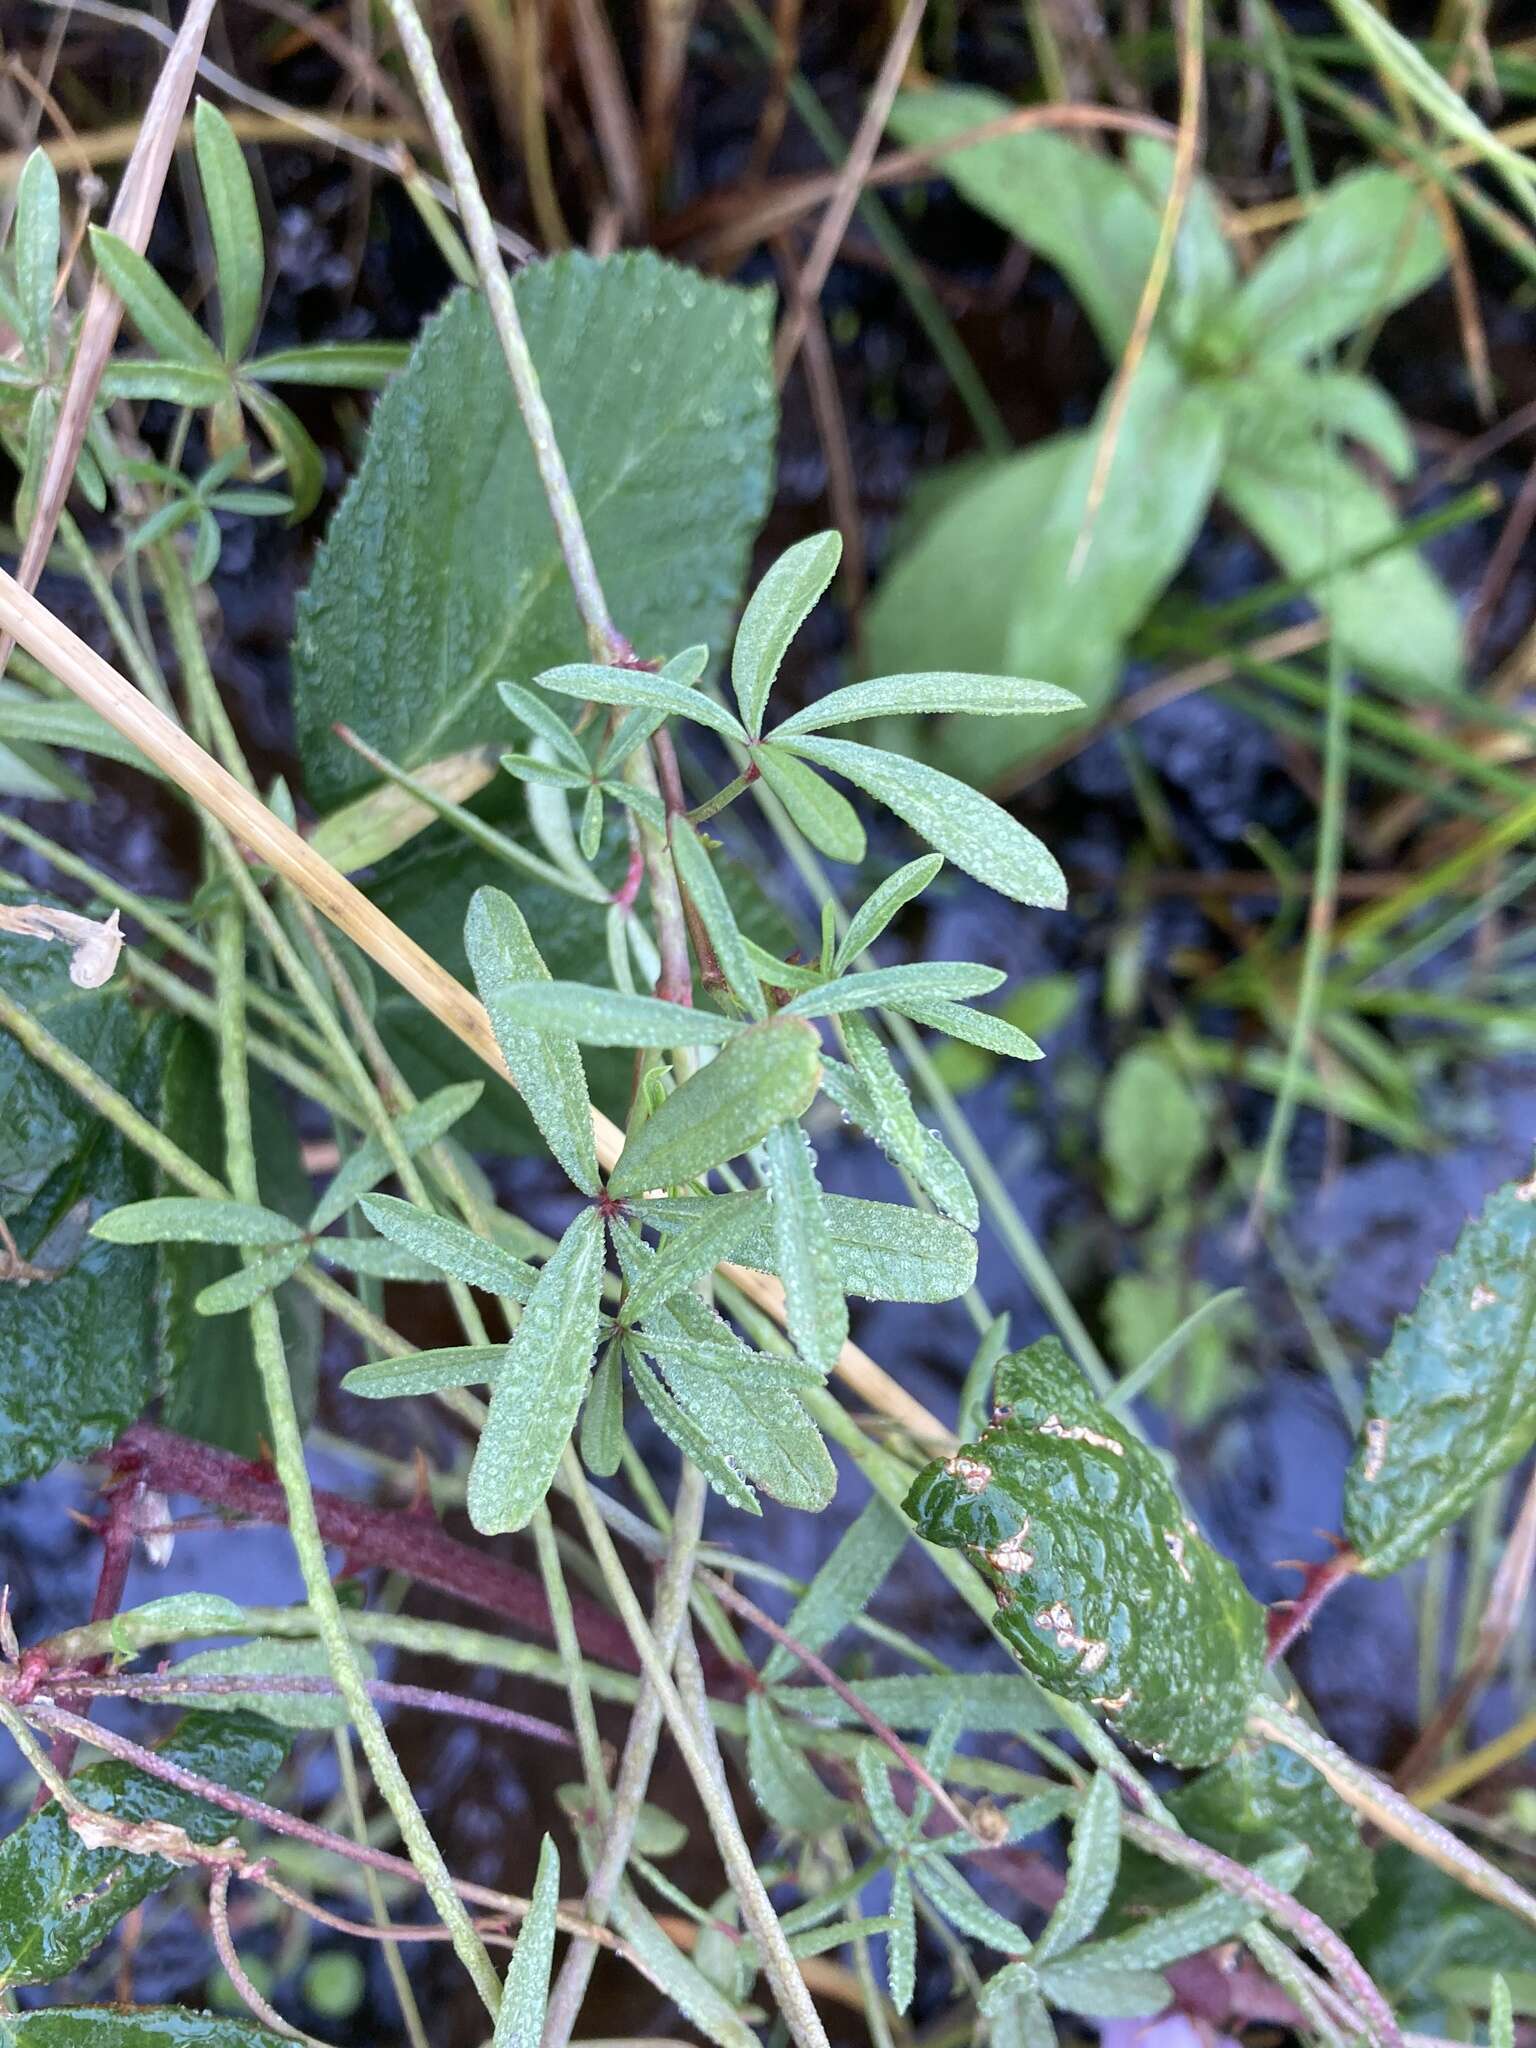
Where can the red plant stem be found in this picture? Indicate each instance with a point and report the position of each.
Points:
(116, 1558)
(395, 1539)
(1288, 1619)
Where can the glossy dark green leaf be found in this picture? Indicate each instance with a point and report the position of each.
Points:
(59, 1900)
(1107, 1594)
(441, 571)
(1264, 1797)
(765, 1075)
(823, 813)
(776, 611)
(1451, 1403)
(238, 250)
(540, 1386)
(148, 2026)
(546, 1066)
(1423, 1923)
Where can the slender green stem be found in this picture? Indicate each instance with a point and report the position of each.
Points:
(357, 1820)
(713, 806)
(568, 1648)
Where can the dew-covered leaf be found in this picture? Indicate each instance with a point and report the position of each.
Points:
(541, 1383)
(185, 1219)
(602, 1416)
(250, 1281)
(152, 306)
(686, 1255)
(1451, 1403)
(894, 987)
(546, 1065)
(441, 571)
(816, 1314)
(1093, 1863)
(273, 1658)
(775, 612)
(588, 682)
(415, 1130)
(783, 1782)
(610, 1016)
(958, 821)
(139, 2026)
(426, 1372)
(1082, 1985)
(36, 252)
(451, 1247)
(697, 874)
(974, 1027)
(882, 1105)
(823, 813)
(963, 1906)
(525, 1995)
(1107, 1594)
(932, 691)
(766, 1074)
(901, 1948)
(878, 909)
(844, 1585)
(1209, 1919)
(692, 1440)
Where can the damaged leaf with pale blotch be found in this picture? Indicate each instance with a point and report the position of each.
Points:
(1106, 1592)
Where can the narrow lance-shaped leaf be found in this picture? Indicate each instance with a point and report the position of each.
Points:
(250, 1282)
(767, 1074)
(752, 1418)
(351, 365)
(779, 607)
(694, 1442)
(1107, 1593)
(142, 2026)
(546, 723)
(637, 686)
(965, 826)
(152, 306)
(451, 1247)
(602, 1416)
(783, 1782)
(545, 1065)
(525, 1995)
(36, 252)
(816, 1315)
(822, 813)
(610, 1016)
(1451, 1403)
(685, 1257)
(971, 1027)
(430, 1119)
(184, 1219)
(878, 909)
(1207, 1921)
(844, 1585)
(697, 874)
(873, 1096)
(1093, 1864)
(539, 1390)
(232, 216)
(901, 1952)
(427, 1372)
(915, 696)
(1081, 1985)
(895, 987)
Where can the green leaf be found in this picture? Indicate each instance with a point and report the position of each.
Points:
(882, 1106)
(1278, 401)
(696, 872)
(893, 987)
(602, 1417)
(1310, 506)
(776, 611)
(539, 1390)
(68, 725)
(877, 910)
(195, 384)
(906, 696)
(352, 365)
(844, 1585)
(1153, 1130)
(36, 244)
(691, 1440)
(1370, 242)
(823, 813)
(1264, 1798)
(1501, 2016)
(760, 1426)
(451, 1248)
(783, 1782)
(427, 1372)
(976, 1389)
(1204, 271)
(152, 306)
(989, 1702)
(901, 1951)
(767, 1074)
(1019, 2018)
(249, 1282)
(630, 686)
(1206, 1922)
(715, 2016)
(140, 2026)
(573, 1011)
(187, 1219)
(966, 827)
(272, 1657)
(1108, 1594)
(1080, 210)
(59, 1900)
(816, 1315)
(238, 249)
(161, 1621)
(1451, 1403)
(879, 1249)
(975, 1027)
(525, 1995)
(1083, 1986)
(547, 1068)
(684, 1258)
(553, 774)
(546, 724)
(291, 442)
(415, 1130)
(963, 1907)
(442, 571)
(1093, 1864)
(891, 1824)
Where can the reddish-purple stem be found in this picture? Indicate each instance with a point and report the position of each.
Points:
(117, 1541)
(1288, 1619)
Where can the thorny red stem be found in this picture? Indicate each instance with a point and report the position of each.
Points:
(1288, 1619)
(116, 1558)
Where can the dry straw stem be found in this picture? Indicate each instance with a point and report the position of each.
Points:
(94, 680)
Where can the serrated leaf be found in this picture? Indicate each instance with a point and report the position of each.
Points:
(1207, 1921)
(525, 1995)
(974, 1027)
(611, 1016)
(1108, 1594)
(140, 2026)
(783, 1782)
(878, 909)
(421, 1126)
(697, 874)
(441, 570)
(602, 1417)
(891, 1824)
(187, 1219)
(1104, 1994)
(36, 251)
(690, 1439)
(964, 1907)
(590, 683)
(236, 226)
(934, 690)
(844, 1585)
(894, 987)
(545, 1065)
(962, 824)
(59, 1900)
(250, 1282)
(450, 1247)
(816, 1315)
(152, 306)
(715, 2015)
(875, 1097)
(1264, 1797)
(1370, 242)
(776, 611)
(880, 1250)
(766, 1073)
(822, 813)
(1093, 1864)
(541, 1384)
(901, 1950)
(1451, 1403)
(426, 1372)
